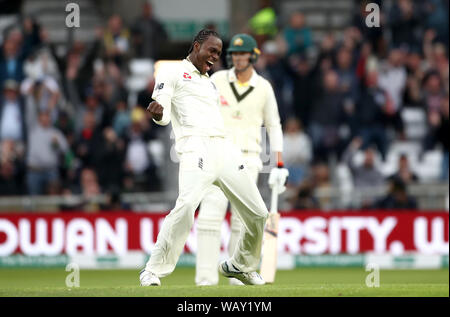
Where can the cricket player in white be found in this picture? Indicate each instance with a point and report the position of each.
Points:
(247, 102)
(185, 95)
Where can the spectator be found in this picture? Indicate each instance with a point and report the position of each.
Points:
(404, 20)
(263, 25)
(297, 152)
(308, 196)
(116, 42)
(12, 113)
(66, 124)
(348, 83)
(89, 183)
(304, 88)
(139, 165)
(69, 164)
(415, 67)
(326, 117)
(12, 169)
(42, 94)
(13, 53)
(307, 77)
(392, 77)
(351, 42)
(433, 92)
(364, 61)
(305, 199)
(328, 46)
(121, 119)
(41, 65)
(92, 105)
(44, 149)
(397, 198)
(149, 34)
(366, 177)
(88, 140)
(32, 32)
(440, 63)
(76, 66)
(404, 173)
(108, 87)
(89, 189)
(442, 133)
(298, 37)
(438, 132)
(436, 12)
(108, 160)
(370, 114)
(325, 57)
(349, 87)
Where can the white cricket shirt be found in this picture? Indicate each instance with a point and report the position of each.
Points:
(243, 118)
(190, 101)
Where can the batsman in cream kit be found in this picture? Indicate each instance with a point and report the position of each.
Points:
(185, 95)
(247, 101)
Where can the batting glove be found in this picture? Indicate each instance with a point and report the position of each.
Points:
(278, 176)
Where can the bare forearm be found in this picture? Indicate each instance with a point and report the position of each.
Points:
(280, 161)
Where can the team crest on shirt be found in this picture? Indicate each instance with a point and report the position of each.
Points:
(223, 101)
(237, 115)
(187, 76)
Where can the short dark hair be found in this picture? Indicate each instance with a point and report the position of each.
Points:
(202, 36)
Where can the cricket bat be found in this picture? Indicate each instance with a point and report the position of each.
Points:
(269, 249)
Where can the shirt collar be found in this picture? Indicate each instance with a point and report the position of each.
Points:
(233, 78)
(192, 68)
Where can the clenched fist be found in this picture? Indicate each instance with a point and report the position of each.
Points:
(156, 110)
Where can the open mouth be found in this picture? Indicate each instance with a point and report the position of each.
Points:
(209, 65)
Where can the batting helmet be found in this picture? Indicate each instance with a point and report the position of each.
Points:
(243, 43)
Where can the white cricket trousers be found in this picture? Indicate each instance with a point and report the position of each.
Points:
(210, 218)
(205, 161)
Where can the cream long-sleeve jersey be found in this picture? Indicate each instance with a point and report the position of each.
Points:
(190, 100)
(246, 108)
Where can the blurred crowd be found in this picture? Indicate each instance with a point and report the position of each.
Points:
(345, 95)
(67, 125)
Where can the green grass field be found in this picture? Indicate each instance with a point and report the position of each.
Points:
(304, 282)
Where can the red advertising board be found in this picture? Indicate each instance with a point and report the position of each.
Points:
(299, 233)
